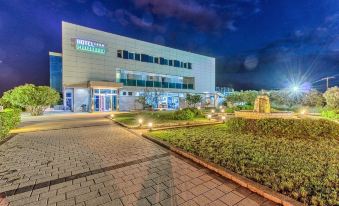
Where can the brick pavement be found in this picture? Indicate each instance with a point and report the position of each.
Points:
(106, 165)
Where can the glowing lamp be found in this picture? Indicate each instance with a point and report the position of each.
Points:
(222, 110)
(223, 118)
(198, 108)
(112, 116)
(150, 125)
(212, 111)
(140, 121)
(209, 116)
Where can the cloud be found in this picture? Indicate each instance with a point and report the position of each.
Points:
(125, 18)
(188, 11)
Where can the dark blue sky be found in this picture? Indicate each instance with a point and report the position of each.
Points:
(258, 44)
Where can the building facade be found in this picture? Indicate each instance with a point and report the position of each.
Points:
(105, 72)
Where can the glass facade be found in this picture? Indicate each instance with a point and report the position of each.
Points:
(144, 79)
(55, 72)
(150, 59)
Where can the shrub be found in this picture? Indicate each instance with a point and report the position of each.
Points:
(35, 99)
(287, 128)
(184, 114)
(330, 114)
(9, 119)
(332, 97)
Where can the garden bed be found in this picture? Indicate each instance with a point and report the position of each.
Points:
(158, 118)
(305, 169)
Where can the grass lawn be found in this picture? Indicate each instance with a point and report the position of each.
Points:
(304, 169)
(158, 118)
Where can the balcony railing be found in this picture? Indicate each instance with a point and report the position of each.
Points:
(143, 83)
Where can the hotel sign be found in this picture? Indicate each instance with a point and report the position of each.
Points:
(89, 46)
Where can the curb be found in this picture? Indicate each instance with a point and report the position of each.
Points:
(243, 181)
(10, 136)
(166, 127)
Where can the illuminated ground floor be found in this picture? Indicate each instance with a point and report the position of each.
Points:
(97, 96)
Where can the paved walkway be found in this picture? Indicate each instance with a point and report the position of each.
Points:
(88, 160)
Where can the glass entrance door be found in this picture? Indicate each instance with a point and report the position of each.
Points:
(104, 100)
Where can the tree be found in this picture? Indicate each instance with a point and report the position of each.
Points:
(313, 99)
(332, 97)
(150, 98)
(193, 99)
(248, 97)
(35, 99)
(284, 98)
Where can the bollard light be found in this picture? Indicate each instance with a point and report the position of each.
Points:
(212, 111)
(223, 118)
(198, 108)
(303, 112)
(209, 116)
(140, 122)
(222, 110)
(112, 116)
(150, 125)
(220, 107)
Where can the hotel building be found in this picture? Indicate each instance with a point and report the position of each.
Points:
(99, 71)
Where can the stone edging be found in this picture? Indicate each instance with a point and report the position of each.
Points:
(245, 182)
(166, 127)
(5, 139)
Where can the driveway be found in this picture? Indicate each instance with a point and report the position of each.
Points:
(88, 160)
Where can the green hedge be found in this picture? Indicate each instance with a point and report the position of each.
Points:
(287, 128)
(187, 114)
(330, 114)
(9, 119)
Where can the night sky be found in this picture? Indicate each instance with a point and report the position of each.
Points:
(258, 44)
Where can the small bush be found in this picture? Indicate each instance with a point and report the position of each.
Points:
(9, 119)
(287, 128)
(330, 114)
(184, 114)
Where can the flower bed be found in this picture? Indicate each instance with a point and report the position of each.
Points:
(306, 169)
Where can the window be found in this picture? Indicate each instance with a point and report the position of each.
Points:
(137, 57)
(185, 65)
(189, 65)
(162, 61)
(130, 55)
(130, 93)
(176, 63)
(181, 65)
(144, 57)
(150, 59)
(119, 54)
(123, 93)
(166, 61)
(170, 62)
(156, 60)
(125, 54)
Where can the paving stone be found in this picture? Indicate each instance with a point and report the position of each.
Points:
(72, 162)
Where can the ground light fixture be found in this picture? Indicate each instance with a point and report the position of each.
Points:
(140, 122)
(209, 116)
(150, 125)
(212, 111)
(303, 111)
(220, 107)
(222, 110)
(112, 116)
(223, 118)
(198, 108)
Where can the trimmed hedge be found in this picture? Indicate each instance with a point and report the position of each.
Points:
(186, 114)
(287, 128)
(9, 119)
